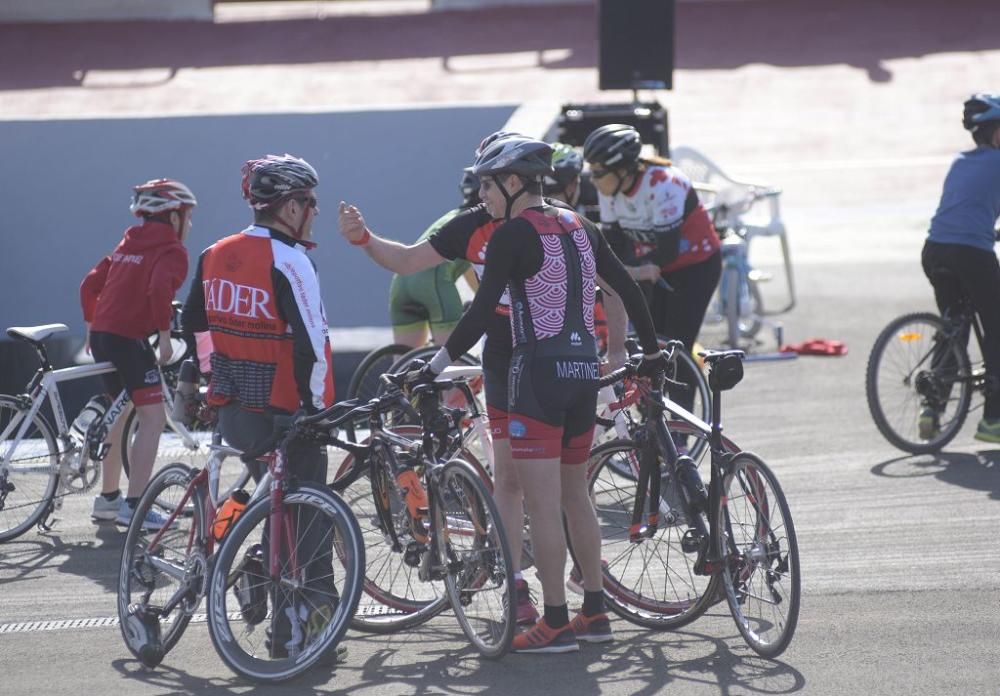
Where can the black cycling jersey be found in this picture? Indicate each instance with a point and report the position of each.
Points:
(552, 393)
(515, 253)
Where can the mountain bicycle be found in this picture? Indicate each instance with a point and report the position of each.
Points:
(281, 586)
(920, 380)
(427, 515)
(41, 463)
(669, 547)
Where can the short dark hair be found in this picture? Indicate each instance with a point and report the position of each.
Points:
(984, 134)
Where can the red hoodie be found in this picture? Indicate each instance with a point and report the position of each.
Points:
(129, 292)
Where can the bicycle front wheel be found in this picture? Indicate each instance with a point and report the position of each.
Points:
(760, 555)
(476, 558)
(29, 476)
(918, 383)
(163, 569)
(651, 583)
(270, 627)
(365, 383)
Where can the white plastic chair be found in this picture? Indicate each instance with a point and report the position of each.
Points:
(754, 207)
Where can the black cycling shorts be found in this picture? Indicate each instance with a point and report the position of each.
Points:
(552, 408)
(135, 365)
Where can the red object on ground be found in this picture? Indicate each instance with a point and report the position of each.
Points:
(816, 346)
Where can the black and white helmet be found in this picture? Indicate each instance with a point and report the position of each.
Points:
(159, 196)
(516, 154)
(275, 177)
(469, 186)
(615, 146)
(980, 109)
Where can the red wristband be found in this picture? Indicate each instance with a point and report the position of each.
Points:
(364, 238)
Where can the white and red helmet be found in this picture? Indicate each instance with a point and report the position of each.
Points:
(159, 196)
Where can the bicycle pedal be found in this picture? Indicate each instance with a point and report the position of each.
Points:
(637, 533)
(692, 542)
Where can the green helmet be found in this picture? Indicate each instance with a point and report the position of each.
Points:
(567, 163)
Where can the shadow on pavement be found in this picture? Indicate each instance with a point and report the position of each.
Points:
(710, 35)
(639, 662)
(97, 559)
(977, 471)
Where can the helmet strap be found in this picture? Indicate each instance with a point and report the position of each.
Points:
(508, 197)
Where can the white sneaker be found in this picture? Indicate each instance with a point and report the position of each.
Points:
(105, 509)
(154, 521)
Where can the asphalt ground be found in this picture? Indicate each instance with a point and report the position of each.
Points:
(854, 111)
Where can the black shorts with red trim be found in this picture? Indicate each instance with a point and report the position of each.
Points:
(552, 408)
(135, 363)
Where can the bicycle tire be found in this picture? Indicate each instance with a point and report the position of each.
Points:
(899, 369)
(761, 555)
(179, 563)
(322, 603)
(33, 470)
(395, 598)
(642, 582)
(473, 549)
(364, 382)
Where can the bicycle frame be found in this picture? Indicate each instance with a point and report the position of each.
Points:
(202, 483)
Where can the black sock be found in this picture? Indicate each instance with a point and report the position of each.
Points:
(556, 617)
(111, 496)
(593, 602)
(132, 502)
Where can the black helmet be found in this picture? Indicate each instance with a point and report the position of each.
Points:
(469, 186)
(272, 179)
(980, 109)
(615, 146)
(515, 154)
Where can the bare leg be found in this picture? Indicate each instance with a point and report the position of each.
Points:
(152, 419)
(541, 482)
(509, 498)
(111, 467)
(410, 337)
(584, 529)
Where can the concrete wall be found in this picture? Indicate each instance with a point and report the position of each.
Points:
(103, 10)
(66, 186)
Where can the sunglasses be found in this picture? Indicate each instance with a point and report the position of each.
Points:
(599, 173)
(307, 201)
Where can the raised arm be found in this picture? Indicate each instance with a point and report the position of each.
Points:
(394, 256)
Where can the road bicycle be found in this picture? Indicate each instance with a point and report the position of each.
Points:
(427, 515)
(669, 547)
(281, 586)
(738, 302)
(40, 463)
(920, 380)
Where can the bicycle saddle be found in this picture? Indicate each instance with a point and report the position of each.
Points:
(36, 334)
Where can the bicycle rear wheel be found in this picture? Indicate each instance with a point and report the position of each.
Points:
(651, 583)
(173, 571)
(761, 555)
(918, 383)
(28, 486)
(394, 598)
(474, 552)
(270, 629)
